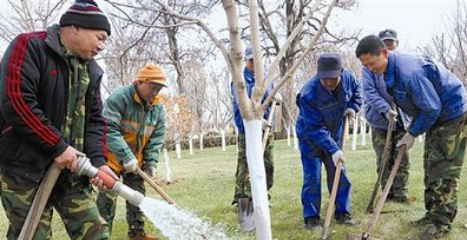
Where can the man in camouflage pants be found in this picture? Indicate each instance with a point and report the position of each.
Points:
(437, 102)
(135, 117)
(243, 188)
(378, 110)
(51, 108)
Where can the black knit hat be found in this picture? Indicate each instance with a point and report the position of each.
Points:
(86, 14)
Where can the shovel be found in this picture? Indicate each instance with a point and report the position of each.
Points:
(245, 212)
(384, 158)
(156, 187)
(382, 200)
(337, 176)
(38, 205)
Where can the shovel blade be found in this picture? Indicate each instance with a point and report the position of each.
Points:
(359, 237)
(245, 214)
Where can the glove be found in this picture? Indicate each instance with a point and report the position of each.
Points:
(350, 113)
(407, 140)
(150, 171)
(131, 166)
(391, 114)
(278, 97)
(338, 156)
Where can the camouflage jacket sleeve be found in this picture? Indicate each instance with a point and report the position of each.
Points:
(156, 142)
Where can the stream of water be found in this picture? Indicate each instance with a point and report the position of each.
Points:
(178, 224)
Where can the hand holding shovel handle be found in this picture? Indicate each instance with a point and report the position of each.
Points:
(337, 175)
(155, 186)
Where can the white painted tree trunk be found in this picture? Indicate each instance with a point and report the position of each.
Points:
(168, 174)
(201, 141)
(347, 136)
(288, 136)
(255, 160)
(178, 150)
(295, 138)
(190, 143)
(363, 131)
(223, 139)
(369, 131)
(354, 135)
(420, 138)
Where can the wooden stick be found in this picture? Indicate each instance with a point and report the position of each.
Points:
(268, 128)
(155, 186)
(337, 175)
(382, 200)
(40, 200)
(384, 159)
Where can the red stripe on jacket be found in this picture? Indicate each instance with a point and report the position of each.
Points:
(14, 78)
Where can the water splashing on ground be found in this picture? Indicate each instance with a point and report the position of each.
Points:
(177, 224)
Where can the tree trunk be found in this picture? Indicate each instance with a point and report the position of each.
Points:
(168, 173)
(190, 142)
(253, 133)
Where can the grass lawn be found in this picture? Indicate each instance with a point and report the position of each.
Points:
(204, 183)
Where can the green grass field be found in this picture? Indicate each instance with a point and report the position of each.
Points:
(204, 184)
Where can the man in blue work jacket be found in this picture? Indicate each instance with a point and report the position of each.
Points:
(437, 102)
(324, 102)
(243, 187)
(378, 110)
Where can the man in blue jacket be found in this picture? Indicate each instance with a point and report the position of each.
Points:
(378, 110)
(437, 101)
(333, 92)
(243, 188)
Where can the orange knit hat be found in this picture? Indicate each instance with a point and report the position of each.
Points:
(152, 73)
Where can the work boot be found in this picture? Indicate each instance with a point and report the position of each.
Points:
(143, 236)
(433, 232)
(312, 224)
(421, 222)
(344, 218)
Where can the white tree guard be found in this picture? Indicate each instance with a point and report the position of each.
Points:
(178, 150)
(420, 138)
(354, 135)
(201, 141)
(257, 171)
(363, 131)
(223, 139)
(288, 136)
(295, 138)
(168, 174)
(190, 143)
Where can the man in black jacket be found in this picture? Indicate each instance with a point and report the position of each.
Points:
(50, 108)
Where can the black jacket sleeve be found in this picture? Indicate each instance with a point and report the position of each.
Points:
(19, 87)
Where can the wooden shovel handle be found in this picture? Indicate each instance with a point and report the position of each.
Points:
(382, 166)
(335, 185)
(268, 128)
(40, 200)
(158, 189)
(382, 200)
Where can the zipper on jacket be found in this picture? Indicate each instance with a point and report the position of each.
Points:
(140, 127)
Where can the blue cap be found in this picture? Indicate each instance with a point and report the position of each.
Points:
(388, 34)
(329, 65)
(248, 53)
